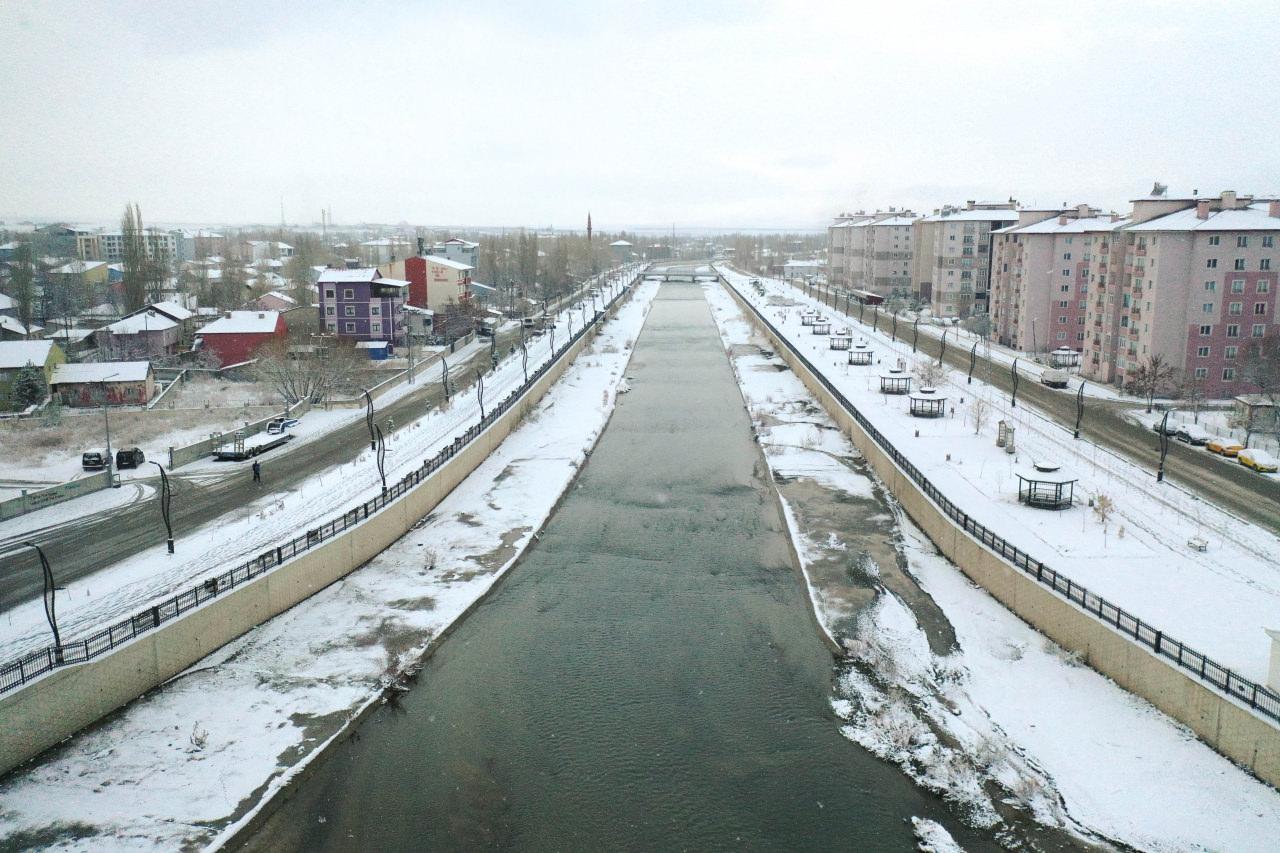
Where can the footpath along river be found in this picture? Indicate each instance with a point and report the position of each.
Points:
(650, 677)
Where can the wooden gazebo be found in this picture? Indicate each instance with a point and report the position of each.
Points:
(1046, 486)
(808, 318)
(895, 382)
(840, 339)
(928, 403)
(861, 354)
(822, 326)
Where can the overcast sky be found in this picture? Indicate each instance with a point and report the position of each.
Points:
(693, 112)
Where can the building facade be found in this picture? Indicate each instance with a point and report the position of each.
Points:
(436, 282)
(362, 305)
(457, 249)
(951, 256)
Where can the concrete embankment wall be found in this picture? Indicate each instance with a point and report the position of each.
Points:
(1232, 730)
(55, 707)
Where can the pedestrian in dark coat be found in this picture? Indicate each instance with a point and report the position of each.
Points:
(257, 472)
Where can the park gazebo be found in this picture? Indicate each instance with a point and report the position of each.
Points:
(928, 403)
(895, 382)
(1046, 486)
(822, 326)
(861, 354)
(808, 318)
(840, 339)
(1064, 357)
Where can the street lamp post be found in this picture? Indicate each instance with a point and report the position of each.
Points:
(943, 351)
(1164, 445)
(49, 592)
(165, 497)
(381, 457)
(106, 420)
(444, 377)
(480, 391)
(368, 419)
(1079, 407)
(973, 361)
(1013, 401)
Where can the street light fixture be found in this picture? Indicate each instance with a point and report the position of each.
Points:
(49, 591)
(165, 497)
(106, 419)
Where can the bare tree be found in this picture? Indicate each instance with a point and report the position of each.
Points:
(1193, 393)
(23, 281)
(1154, 376)
(979, 411)
(137, 270)
(312, 376)
(930, 373)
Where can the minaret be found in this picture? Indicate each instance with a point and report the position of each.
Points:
(588, 226)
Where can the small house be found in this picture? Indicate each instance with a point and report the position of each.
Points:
(237, 337)
(109, 383)
(375, 350)
(16, 355)
(145, 333)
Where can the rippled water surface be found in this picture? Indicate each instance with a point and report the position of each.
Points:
(649, 677)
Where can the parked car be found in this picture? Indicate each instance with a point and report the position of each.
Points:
(1224, 446)
(1054, 378)
(277, 426)
(1171, 429)
(93, 460)
(129, 457)
(1192, 434)
(1259, 460)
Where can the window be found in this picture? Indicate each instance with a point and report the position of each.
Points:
(1062, 336)
(1202, 352)
(1259, 308)
(1079, 336)
(375, 310)
(351, 328)
(1206, 331)
(1239, 263)
(348, 293)
(1062, 319)
(328, 293)
(1212, 263)
(1063, 304)
(1066, 256)
(375, 327)
(1211, 286)
(350, 310)
(1208, 307)
(1237, 285)
(1066, 288)
(1242, 242)
(1228, 374)
(1263, 286)
(1266, 241)
(1214, 240)
(330, 311)
(1236, 308)
(1124, 322)
(331, 326)
(1231, 352)
(1124, 300)
(1259, 330)
(1233, 331)
(1066, 272)
(1264, 264)
(1202, 373)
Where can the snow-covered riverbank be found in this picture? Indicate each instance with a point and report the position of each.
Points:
(188, 763)
(973, 703)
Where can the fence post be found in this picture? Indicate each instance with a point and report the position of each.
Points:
(1159, 638)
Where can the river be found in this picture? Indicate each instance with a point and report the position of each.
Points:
(650, 677)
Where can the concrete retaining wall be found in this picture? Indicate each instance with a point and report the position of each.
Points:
(179, 456)
(57, 706)
(41, 498)
(1232, 730)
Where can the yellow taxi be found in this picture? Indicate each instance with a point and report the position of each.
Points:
(1224, 446)
(1259, 460)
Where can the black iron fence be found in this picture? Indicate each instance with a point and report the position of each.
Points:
(1257, 696)
(18, 672)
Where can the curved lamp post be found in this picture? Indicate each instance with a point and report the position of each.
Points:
(444, 379)
(480, 391)
(382, 457)
(943, 351)
(368, 419)
(1013, 402)
(1079, 409)
(1164, 445)
(165, 497)
(49, 590)
(973, 361)
(915, 334)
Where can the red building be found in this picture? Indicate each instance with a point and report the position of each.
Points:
(237, 336)
(436, 282)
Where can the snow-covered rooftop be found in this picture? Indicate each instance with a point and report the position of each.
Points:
(102, 371)
(70, 335)
(78, 267)
(975, 215)
(173, 310)
(447, 262)
(458, 241)
(1077, 225)
(6, 303)
(1255, 217)
(143, 321)
(13, 327)
(17, 354)
(489, 287)
(619, 243)
(356, 275)
(243, 322)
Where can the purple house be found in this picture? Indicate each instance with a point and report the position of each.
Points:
(361, 305)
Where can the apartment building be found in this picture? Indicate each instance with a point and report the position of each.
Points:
(456, 249)
(840, 239)
(951, 256)
(109, 245)
(1198, 288)
(361, 304)
(1040, 277)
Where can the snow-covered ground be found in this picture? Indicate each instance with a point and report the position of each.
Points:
(1217, 601)
(1005, 716)
(152, 575)
(181, 767)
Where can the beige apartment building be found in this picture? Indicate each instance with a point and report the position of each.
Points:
(840, 251)
(951, 261)
(871, 251)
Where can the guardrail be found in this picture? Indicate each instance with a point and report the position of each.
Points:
(1258, 697)
(30, 666)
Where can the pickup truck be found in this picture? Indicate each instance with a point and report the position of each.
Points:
(278, 426)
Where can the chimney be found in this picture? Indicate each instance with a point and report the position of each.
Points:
(1082, 211)
(1062, 220)
(1273, 209)
(262, 316)
(968, 205)
(1202, 209)
(1228, 199)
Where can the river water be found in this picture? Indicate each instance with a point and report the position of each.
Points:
(650, 677)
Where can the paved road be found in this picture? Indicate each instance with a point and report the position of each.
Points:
(81, 547)
(1228, 485)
